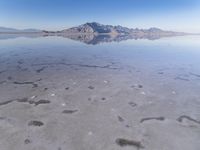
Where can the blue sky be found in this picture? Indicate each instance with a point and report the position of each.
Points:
(180, 15)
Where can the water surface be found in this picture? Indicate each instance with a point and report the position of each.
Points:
(58, 93)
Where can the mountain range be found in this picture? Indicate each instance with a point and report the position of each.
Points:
(12, 30)
(94, 33)
(97, 28)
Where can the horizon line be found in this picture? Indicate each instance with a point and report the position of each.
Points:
(32, 28)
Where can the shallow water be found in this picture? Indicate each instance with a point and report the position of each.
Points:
(59, 94)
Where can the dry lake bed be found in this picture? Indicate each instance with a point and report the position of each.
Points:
(60, 94)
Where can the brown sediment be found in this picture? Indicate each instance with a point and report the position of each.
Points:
(140, 86)
(10, 101)
(20, 62)
(9, 78)
(2, 71)
(22, 100)
(6, 102)
(27, 141)
(194, 74)
(180, 119)
(180, 78)
(28, 83)
(152, 118)
(22, 69)
(79, 65)
(45, 89)
(132, 104)
(42, 101)
(125, 142)
(137, 86)
(160, 72)
(21, 83)
(25, 100)
(69, 111)
(35, 123)
(90, 87)
(103, 98)
(41, 69)
(2, 82)
(36, 103)
(120, 119)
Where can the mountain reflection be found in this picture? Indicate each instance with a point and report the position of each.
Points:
(90, 39)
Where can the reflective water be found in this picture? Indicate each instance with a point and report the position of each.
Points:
(89, 95)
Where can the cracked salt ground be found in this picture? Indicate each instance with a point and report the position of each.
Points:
(84, 101)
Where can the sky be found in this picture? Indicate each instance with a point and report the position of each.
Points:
(177, 15)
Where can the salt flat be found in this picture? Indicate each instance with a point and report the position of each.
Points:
(59, 94)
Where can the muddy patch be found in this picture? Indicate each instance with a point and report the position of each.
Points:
(152, 118)
(42, 101)
(36, 103)
(120, 119)
(160, 73)
(22, 100)
(181, 78)
(27, 141)
(9, 78)
(138, 86)
(2, 82)
(45, 89)
(132, 104)
(69, 111)
(91, 87)
(2, 71)
(20, 62)
(103, 98)
(194, 74)
(14, 100)
(27, 83)
(67, 88)
(181, 118)
(35, 123)
(6, 102)
(79, 65)
(41, 69)
(125, 142)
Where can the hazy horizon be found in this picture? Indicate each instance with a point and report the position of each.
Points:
(176, 15)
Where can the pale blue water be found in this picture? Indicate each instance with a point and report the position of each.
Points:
(174, 53)
(133, 79)
(174, 59)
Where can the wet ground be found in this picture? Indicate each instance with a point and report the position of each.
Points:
(58, 94)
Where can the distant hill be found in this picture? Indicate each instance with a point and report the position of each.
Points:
(12, 30)
(97, 28)
(94, 33)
